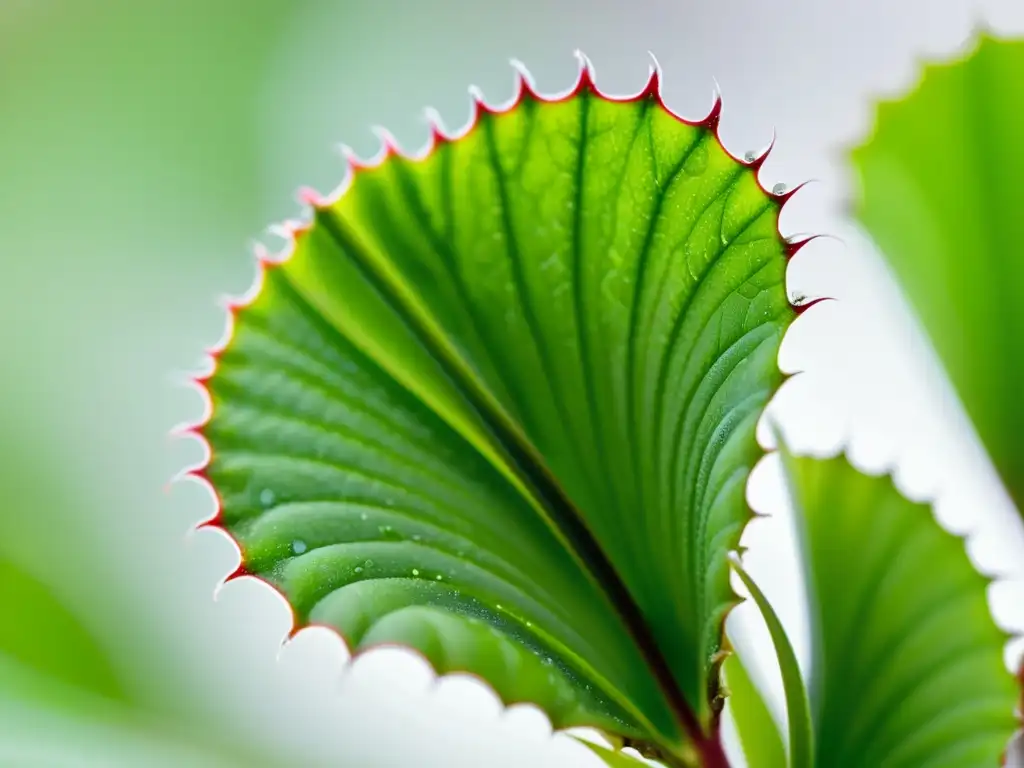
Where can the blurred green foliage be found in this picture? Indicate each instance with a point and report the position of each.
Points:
(941, 194)
(139, 121)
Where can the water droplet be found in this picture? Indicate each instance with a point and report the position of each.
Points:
(267, 497)
(439, 577)
(368, 563)
(415, 571)
(358, 569)
(779, 189)
(417, 537)
(363, 516)
(750, 156)
(697, 162)
(299, 546)
(498, 606)
(529, 624)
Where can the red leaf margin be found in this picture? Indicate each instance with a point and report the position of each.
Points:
(292, 230)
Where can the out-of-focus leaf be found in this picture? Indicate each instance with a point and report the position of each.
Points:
(36, 630)
(941, 194)
(499, 402)
(908, 662)
(57, 725)
(798, 709)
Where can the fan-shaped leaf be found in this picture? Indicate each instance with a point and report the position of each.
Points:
(908, 662)
(941, 194)
(498, 404)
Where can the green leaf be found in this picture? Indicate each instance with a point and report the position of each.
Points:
(45, 721)
(498, 403)
(40, 633)
(798, 708)
(908, 662)
(613, 758)
(756, 728)
(941, 194)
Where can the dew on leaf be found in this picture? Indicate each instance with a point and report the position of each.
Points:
(299, 546)
(415, 571)
(750, 156)
(358, 569)
(267, 497)
(779, 189)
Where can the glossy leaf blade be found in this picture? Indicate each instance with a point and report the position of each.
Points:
(908, 667)
(503, 396)
(941, 194)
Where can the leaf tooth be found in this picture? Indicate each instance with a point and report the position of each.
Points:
(291, 229)
(311, 197)
(757, 162)
(585, 81)
(438, 133)
(794, 245)
(525, 85)
(349, 156)
(238, 573)
(388, 143)
(801, 308)
(478, 105)
(714, 116)
(654, 77)
(783, 197)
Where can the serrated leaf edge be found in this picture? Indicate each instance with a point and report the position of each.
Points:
(291, 229)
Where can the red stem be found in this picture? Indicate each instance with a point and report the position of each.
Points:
(712, 753)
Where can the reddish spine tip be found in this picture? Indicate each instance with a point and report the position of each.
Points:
(793, 246)
(213, 522)
(801, 308)
(238, 573)
(653, 87)
(524, 85)
(585, 84)
(310, 196)
(478, 105)
(758, 161)
(783, 197)
(714, 116)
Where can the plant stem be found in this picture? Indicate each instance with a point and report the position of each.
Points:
(712, 753)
